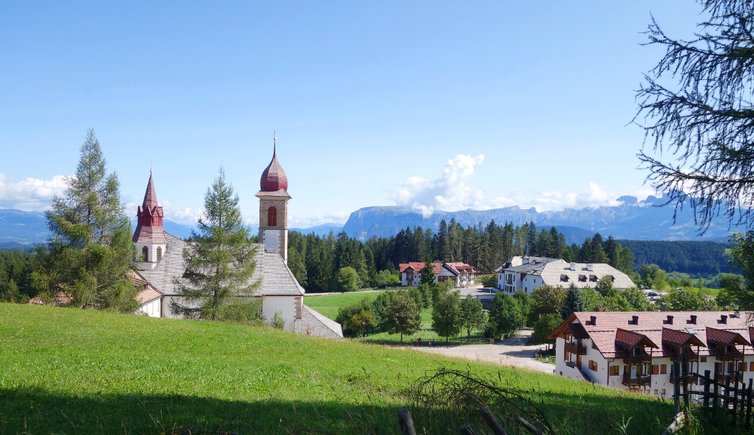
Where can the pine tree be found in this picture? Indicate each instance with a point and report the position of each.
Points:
(90, 247)
(219, 258)
(573, 302)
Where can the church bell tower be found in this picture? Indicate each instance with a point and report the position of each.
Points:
(149, 236)
(273, 207)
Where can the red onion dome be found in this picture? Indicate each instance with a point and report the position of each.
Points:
(273, 177)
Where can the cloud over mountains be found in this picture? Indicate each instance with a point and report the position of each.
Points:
(453, 190)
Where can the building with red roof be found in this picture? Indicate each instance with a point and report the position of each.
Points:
(460, 274)
(641, 350)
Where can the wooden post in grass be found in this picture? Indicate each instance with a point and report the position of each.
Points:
(406, 422)
(706, 389)
(492, 422)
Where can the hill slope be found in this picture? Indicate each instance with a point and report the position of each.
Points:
(68, 370)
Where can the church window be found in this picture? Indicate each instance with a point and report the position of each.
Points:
(159, 253)
(272, 217)
(144, 254)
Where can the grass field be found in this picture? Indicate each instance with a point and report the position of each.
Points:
(328, 305)
(74, 371)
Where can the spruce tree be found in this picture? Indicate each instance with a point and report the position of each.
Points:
(573, 302)
(90, 249)
(219, 258)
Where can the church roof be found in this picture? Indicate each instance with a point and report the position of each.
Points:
(314, 323)
(273, 177)
(273, 275)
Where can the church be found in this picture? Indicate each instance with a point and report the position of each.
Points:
(159, 261)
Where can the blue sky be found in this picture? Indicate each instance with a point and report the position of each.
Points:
(430, 104)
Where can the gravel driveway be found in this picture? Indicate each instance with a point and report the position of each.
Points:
(511, 352)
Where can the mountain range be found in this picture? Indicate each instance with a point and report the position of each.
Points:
(631, 219)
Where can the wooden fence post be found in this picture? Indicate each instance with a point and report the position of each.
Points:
(706, 389)
(406, 422)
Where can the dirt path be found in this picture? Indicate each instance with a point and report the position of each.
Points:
(511, 352)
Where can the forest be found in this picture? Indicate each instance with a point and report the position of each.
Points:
(316, 261)
(696, 258)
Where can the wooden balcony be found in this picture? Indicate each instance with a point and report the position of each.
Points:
(578, 349)
(732, 355)
(638, 359)
(639, 381)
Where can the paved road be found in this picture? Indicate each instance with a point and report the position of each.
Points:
(511, 352)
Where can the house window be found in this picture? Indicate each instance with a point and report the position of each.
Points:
(144, 254)
(614, 370)
(593, 365)
(655, 369)
(272, 217)
(159, 253)
(703, 359)
(563, 277)
(582, 278)
(751, 366)
(663, 369)
(741, 367)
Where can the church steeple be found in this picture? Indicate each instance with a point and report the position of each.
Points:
(149, 236)
(273, 207)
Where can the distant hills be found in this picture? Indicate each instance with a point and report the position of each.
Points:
(24, 229)
(632, 220)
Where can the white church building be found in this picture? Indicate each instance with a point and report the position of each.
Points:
(159, 263)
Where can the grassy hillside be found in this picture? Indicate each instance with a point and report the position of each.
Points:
(74, 371)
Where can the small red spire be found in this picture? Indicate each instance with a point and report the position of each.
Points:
(273, 177)
(150, 196)
(149, 218)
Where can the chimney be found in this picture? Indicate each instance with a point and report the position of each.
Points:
(634, 320)
(692, 319)
(723, 319)
(592, 321)
(590, 267)
(668, 321)
(573, 266)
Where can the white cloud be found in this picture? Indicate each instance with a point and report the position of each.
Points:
(454, 191)
(335, 217)
(30, 194)
(449, 192)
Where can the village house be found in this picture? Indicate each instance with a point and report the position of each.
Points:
(640, 350)
(159, 263)
(527, 273)
(459, 274)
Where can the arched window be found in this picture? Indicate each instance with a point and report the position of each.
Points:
(144, 254)
(159, 253)
(272, 217)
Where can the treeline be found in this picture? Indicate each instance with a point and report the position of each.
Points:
(692, 257)
(16, 276)
(317, 260)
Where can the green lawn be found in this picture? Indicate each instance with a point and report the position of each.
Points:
(328, 305)
(75, 371)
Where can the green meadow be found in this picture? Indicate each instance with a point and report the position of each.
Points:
(67, 370)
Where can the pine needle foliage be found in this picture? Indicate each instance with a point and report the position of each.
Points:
(90, 250)
(696, 109)
(219, 258)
